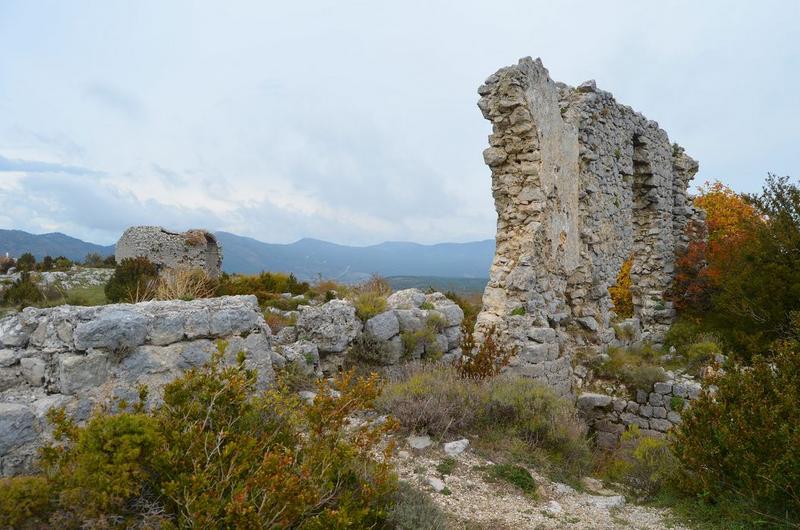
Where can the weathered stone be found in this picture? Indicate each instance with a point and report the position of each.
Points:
(116, 328)
(406, 299)
(383, 326)
(456, 448)
(195, 249)
(588, 401)
(660, 425)
(17, 426)
(78, 372)
(662, 388)
(419, 442)
(33, 370)
(331, 326)
(581, 183)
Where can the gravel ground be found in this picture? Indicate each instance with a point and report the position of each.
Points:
(480, 503)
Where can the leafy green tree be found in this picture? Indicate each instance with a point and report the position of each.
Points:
(134, 280)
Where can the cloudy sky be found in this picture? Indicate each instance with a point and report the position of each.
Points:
(352, 121)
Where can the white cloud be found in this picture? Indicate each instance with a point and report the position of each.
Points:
(351, 121)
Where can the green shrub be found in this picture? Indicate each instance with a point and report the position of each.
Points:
(368, 304)
(447, 465)
(26, 262)
(367, 349)
(216, 456)
(370, 297)
(742, 443)
(266, 286)
(635, 367)
(25, 502)
(515, 417)
(515, 475)
(643, 463)
(134, 280)
(23, 292)
(413, 509)
(436, 401)
(519, 311)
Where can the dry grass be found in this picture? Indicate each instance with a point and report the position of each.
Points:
(184, 284)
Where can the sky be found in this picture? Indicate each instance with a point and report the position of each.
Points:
(352, 121)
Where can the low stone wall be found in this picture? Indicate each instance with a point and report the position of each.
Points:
(82, 357)
(75, 277)
(327, 332)
(653, 412)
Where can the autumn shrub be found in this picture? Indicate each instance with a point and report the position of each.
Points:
(134, 280)
(277, 321)
(621, 293)
(23, 292)
(214, 455)
(184, 283)
(486, 360)
(741, 443)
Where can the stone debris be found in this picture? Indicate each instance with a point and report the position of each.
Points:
(456, 448)
(419, 442)
(437, 484)
(581, 183)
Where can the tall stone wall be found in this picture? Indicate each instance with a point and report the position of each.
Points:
(193, 249)
(581, 183)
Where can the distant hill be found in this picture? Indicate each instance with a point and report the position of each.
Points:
(308, 259)
(17, 242)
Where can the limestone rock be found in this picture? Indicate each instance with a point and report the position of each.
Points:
(383, 326)
(456, 448)
(331, 326)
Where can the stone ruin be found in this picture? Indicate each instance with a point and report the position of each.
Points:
(581, 183)
(193, 248)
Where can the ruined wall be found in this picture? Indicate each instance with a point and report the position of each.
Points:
(83, 357)
(194, 248)
(580, 184)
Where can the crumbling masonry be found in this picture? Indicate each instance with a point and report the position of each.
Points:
(581, 183)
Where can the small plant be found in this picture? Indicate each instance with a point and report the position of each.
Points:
(413, 509)
(676, 403)
(447, 466)
(367, 349)
(643, 463)
(617, 153)
(636, 367)
(23, 292)
(427, 306)
(519, 311)
(515, 475)
(277, 321)
(370, 297)
(134, 280)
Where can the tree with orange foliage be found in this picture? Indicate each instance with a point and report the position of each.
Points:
(730, 219)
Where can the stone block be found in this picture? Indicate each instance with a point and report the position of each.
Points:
(17, 426)
(383, 326)
(78, 373)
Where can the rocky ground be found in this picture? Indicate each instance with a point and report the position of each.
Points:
(468, 496)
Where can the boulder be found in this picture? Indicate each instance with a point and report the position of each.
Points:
(331, 326)
(383, 326)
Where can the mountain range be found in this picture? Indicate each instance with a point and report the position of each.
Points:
(308, 259)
